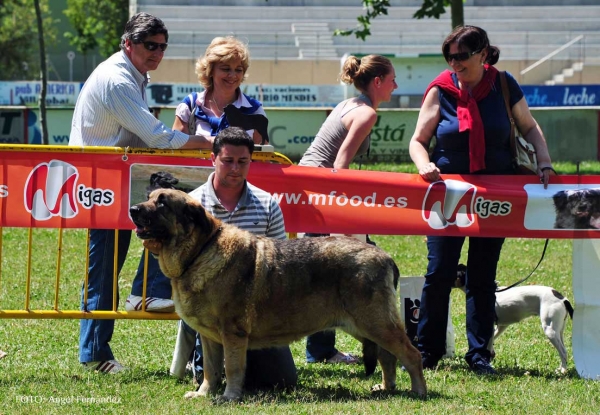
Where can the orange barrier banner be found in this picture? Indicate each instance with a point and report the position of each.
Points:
(74, 189)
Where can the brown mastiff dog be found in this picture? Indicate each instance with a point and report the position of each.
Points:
(243, 291)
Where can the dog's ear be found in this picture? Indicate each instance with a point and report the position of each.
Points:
(154, 177)
(196, 216)
(594, 195)
(560, 200)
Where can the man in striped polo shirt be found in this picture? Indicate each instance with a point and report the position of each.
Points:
(229, 197)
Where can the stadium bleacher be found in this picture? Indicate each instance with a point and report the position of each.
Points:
(302, 30)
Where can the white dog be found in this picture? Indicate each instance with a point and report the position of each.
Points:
(517, 303)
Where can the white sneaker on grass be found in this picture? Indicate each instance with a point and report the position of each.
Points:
(105, 366)
(158, 305)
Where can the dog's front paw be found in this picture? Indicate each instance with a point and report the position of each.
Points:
(382, 388)
(377, 388)
(193, 394)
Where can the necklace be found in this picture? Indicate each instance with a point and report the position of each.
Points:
(219, 108)
(217, 105)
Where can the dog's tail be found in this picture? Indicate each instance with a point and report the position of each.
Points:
(566, 302)
(569, 308)
(370, 351)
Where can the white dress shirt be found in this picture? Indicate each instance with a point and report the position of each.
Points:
(111, 110)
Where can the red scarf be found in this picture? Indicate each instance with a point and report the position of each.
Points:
(467, 112)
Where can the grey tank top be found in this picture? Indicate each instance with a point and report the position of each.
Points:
(328, 141)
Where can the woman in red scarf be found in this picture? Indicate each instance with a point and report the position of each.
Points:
(464, 109)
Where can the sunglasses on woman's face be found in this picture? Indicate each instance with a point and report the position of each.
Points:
(461, 56)
(152, 46)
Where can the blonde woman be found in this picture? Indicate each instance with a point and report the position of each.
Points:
(221, 71)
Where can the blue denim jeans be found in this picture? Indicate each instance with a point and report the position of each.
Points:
(444, 255)
(95, 335)
(157, 286)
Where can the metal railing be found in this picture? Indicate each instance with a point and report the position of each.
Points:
(548, 66)
(53, 290)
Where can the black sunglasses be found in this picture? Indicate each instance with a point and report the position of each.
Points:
(461, 56)
(152, 46)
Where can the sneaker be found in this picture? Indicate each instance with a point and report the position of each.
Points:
(189, 368)
(158, 305)
(483, 368)
(105, 366)
(2, 354)
(340, 357)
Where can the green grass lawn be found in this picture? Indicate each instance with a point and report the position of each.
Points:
(41, 373)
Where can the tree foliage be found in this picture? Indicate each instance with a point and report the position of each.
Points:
(429, 8)
(435, 8)
(98, 24)
(42, 50)
(20, 56)
(373, 9)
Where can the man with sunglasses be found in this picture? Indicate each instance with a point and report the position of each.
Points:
(111, 110)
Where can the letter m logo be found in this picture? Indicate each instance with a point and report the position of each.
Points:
(449, 202)
(50, 190)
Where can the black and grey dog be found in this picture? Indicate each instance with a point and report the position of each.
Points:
(165, 180)
(577, 209)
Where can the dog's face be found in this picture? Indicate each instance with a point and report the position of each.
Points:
(167, 214)
(575, 202)
(578, 209)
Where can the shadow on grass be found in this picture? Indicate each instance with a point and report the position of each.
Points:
(316, 383)
(519, 372)
(457, 365)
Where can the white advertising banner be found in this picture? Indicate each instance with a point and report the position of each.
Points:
(28, 93)
(270, 95)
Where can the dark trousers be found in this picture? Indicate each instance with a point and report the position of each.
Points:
(265, 368)
(321, 345)
(444, 255)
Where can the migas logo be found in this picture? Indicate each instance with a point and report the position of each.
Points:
(449, 202)
(51, 190)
